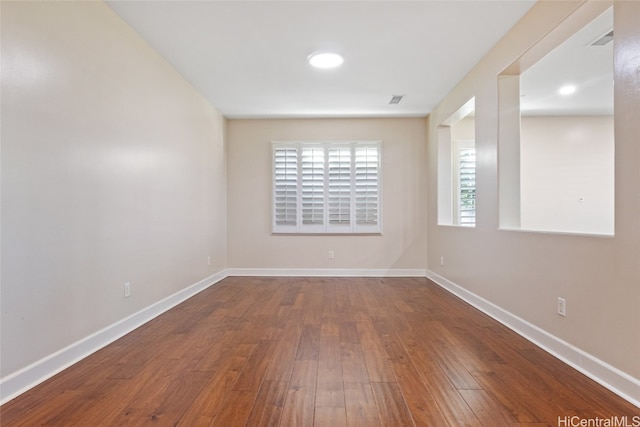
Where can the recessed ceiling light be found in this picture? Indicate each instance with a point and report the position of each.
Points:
(567, 90)
(325, 59)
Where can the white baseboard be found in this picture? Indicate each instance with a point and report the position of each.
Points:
(321, 272)
(32, 375)
(621, 383)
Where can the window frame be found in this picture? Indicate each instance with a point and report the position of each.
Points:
(356, 184)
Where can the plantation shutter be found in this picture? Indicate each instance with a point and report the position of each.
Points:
(285, 162)
(367, 162)
(467, 184)
(326, 187)
(313, 166)
(339, 191)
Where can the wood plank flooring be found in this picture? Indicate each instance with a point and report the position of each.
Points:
(318, 352)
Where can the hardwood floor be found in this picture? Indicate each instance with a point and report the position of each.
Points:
(318, 352)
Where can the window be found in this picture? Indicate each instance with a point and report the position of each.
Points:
(326, 187)
(465, 183)
(457, 168)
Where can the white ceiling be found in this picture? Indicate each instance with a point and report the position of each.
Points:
(249, 58)
(575, 62)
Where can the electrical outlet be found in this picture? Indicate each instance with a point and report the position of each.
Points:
(442, 260)
(562, 307)
(127, 290)
(209, 260)
(331, 256)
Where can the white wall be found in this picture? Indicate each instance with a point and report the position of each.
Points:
(567, 174)
(524, 273)
(113, 170)
(464, 130)
(403, 243)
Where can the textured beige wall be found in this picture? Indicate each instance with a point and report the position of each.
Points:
(403, 243)
(113, 170)
(525, 272)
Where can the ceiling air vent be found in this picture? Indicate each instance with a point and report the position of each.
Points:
(607, 38)
(395, 99)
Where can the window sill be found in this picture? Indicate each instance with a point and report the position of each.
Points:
(556, 232)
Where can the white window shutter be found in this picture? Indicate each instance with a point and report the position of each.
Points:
(367, 162)
(339, 188)
(326, 187)
(467, 186)
(285, 189)
(312, 182)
